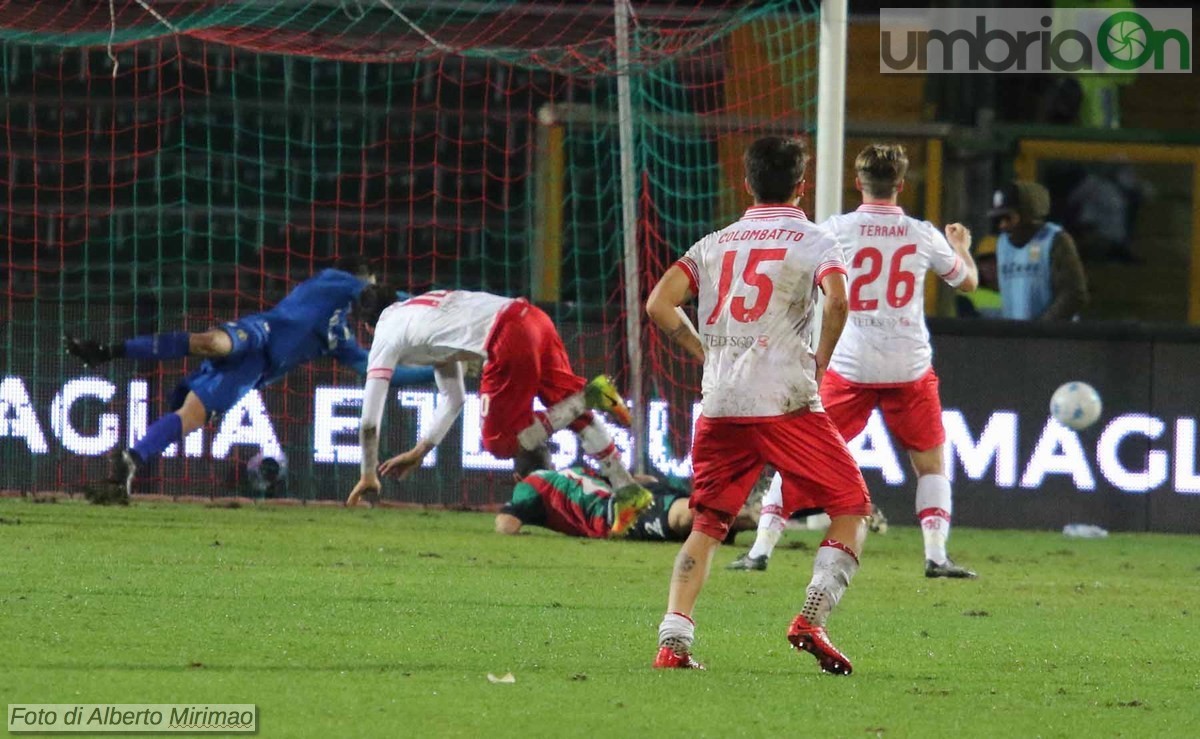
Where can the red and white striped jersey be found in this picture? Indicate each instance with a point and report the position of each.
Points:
(756, 282)
(431, 328)
(888, 253)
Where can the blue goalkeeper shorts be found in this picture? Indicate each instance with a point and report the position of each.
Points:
(220, 383)
(249, 335)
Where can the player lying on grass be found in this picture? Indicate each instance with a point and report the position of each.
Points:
(756, 283)
(578, 502)
(312, 321)
(524, 358)
(884, 357)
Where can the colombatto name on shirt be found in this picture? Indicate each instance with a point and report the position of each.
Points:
(761, 234)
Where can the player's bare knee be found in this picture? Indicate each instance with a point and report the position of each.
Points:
(850, 530)
(713, 523)
(210, 344)
(680, 517)
(192, 414)
(929, 462)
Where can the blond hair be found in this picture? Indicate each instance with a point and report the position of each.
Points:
(881, 168)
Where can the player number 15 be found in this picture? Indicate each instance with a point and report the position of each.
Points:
(738, 309)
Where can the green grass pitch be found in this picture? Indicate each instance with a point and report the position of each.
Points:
(386, 623)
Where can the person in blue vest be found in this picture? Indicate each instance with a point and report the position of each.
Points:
(1038, 267)
(312, 321)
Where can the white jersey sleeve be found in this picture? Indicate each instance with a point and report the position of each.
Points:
(451, 396)
(693, 262)
(832, 258)
(943, 260)
(385, 351)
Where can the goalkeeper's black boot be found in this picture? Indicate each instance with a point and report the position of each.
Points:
(948, 569)
(89, 351)
(125, 467)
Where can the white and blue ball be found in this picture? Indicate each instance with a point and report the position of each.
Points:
(1076, 405)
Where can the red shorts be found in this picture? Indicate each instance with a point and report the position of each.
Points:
(526, 358)
(912, 410)
(806, 449)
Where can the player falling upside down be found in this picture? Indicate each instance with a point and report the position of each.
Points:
(756, 281)
(254, 351)
(524, 358)
(884, 358)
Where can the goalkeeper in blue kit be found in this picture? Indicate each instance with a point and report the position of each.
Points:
(312, 321)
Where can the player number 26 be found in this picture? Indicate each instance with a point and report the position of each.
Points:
(738, 309)
(901, 284)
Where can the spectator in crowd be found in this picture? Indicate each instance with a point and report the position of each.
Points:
(1101, 208)
(1038, 267)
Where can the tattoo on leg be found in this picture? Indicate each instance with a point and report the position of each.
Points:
(684, 565)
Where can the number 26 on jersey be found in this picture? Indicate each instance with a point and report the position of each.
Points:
(901, 284)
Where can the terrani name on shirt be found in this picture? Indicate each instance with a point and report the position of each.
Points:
(875, 230)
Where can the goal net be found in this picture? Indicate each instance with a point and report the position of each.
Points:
(171, 164)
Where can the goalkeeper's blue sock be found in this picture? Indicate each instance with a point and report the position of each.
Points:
(162, 433)
(157, 346)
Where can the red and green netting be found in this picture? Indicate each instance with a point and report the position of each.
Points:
(170, 164)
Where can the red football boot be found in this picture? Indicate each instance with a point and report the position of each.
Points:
(667, 659)
(813, 639)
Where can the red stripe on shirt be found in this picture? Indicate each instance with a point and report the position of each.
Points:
(381, 373)
(773, 211)
(949, 275)
(827, 268)
(693, 273)
(888, 209)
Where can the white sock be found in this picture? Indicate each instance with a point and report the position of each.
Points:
(832, 569)
(598, 444)
(677, 631)
(770, 528)
(933, 510)
(554, 418)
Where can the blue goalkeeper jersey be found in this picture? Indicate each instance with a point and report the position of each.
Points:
(311, 322)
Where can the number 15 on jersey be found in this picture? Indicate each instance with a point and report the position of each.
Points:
(755, 275)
